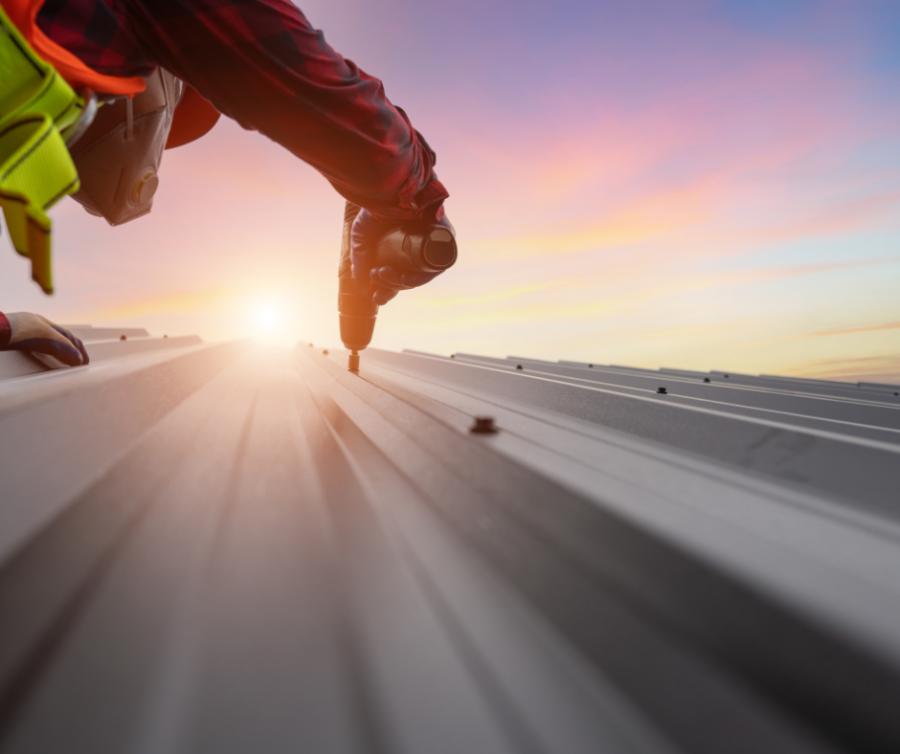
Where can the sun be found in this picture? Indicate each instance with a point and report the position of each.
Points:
(270, 321)
(267, 317)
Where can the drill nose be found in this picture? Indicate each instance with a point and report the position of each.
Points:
(356, 331)
(357, 314)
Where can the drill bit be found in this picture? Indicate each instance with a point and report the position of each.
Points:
(353, 362)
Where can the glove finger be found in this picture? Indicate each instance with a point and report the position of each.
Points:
(390, 278)
(58, 349)
(74, 340)
(362, 232)
(382, 295)
(85, 358)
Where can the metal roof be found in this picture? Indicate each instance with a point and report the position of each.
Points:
(219, 547)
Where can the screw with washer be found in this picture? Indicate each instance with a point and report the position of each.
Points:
(483, 425)
(662, 391)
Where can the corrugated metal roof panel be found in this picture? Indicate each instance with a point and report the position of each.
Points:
(223, 547)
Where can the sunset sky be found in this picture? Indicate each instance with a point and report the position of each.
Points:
(698, 184)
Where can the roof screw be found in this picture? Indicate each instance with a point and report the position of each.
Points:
(519, 367)
(590, 366)
(706, 379)
(165, 336)
(452, 355)
(662, 391)
(324, 351)
(123, 337)
(726, 376)
(484, 425)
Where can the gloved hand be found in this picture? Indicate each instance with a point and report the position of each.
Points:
(34, 334)
(365, 233)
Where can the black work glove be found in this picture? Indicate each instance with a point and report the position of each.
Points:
(365, 233)
(38, 336)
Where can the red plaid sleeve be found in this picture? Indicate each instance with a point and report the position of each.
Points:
(262, 63)
(5, 331)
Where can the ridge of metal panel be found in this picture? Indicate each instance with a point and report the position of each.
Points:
(111, 349)
(422, 353)
(603, 465)
(89, 333)
(657, 379)
(17, 364)
(831, 457)
(68, 428)
(682, 372)
(529, 359)
(879, 386)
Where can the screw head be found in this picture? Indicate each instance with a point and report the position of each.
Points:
(324, 351)
(662, 391)
(706, 379)
(483, 425)
(519, 367)
(123, 337)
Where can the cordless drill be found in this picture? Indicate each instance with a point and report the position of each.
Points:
(428, 248)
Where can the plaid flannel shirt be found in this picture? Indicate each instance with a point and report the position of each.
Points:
(261, 63)
(5, 331)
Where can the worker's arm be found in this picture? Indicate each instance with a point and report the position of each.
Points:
(32, 333)
(262, 63)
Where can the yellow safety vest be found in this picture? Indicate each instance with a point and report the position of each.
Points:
(38, 111)
(41, 112)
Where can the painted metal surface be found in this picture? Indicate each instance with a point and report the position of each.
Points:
(232, 548)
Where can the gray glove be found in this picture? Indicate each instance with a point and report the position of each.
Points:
(37, 335)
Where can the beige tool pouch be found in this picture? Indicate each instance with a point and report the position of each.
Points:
(118, 157)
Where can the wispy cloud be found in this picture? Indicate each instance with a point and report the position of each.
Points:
(865, 368)
(861, 329)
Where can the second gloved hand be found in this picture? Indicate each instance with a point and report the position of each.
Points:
(36, 335)
(391, 270)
